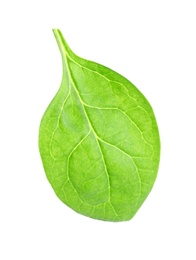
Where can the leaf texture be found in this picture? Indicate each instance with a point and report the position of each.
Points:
(98, 140)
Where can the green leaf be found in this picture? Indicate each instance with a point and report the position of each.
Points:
(98, 140)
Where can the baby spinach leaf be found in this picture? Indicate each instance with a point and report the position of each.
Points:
(98, 140)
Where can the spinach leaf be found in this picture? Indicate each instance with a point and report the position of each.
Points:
(98, 140)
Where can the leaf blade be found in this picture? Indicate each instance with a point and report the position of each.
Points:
(102, 140)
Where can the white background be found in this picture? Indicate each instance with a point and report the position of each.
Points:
(153, 44)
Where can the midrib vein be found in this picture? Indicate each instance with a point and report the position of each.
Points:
(95, 134)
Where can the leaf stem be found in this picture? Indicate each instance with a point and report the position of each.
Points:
(62, 44)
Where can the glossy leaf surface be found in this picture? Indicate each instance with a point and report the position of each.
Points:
(98, 140)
